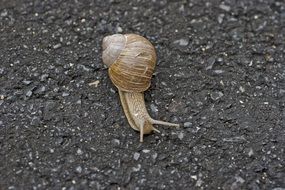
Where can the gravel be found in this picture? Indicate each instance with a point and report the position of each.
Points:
(220, 74)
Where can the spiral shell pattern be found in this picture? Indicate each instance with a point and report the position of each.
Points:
(131, 60)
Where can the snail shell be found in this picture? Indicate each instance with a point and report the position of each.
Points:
(131, 59)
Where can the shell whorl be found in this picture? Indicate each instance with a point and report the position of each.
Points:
(112, 47)
(131, 60)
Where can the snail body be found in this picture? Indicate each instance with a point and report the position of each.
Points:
(131, 60)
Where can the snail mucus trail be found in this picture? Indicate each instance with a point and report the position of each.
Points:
(131, 60)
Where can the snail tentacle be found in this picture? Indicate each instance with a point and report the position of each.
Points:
(159, 122)
(141, 132)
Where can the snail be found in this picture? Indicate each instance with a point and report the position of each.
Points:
(131, 60)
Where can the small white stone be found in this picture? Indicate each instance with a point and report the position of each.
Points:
(138, 168)
(79, 151)
(64, 94)
(221, 18)
(182, 42)
(116, 141)
(56, 46)
(250, 153)
(241, 89)
(225, 7)
(181, 135)
(154, 156)
(145, 151)
(95, 83)
(187, 124)
(79, 169)
(4, 13)
(199, 183)
(119, 29)
(136, 156)
(194, 177)
(153, 108)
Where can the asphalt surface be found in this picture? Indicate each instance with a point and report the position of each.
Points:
(220, 74)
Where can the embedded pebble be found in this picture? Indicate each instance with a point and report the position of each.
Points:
(35, 121)
(241, 89)
(41, 89)
(95, 83)
(78, 169)
(194, 177)
(187, 124)
(250, 152)
(220, 59)
(216, 95)
(180, 135)
(51, 150)
(211, 61)
(199, 183)
(119, 29)
(138, 168)
(154, 156)
(182, 42)
(237, 183)
(44, 77)
(221, 18)
(59, 141)
(64, 94)
(70, 158)
(153, 108)
(218, 71)
(83, 67)
(27, 82)
(281, 92)
(136, 156)
(234, 139)
(29, 93)
(4, 13)
(79, 151)
(116, 141)
(145, 151)
(225, 7)
(112, 90)
(56, 46)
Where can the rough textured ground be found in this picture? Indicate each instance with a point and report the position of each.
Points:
(220, 74)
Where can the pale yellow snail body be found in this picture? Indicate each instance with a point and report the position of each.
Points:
(131, 61)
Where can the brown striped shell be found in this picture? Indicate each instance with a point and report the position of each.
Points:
(131, 60)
